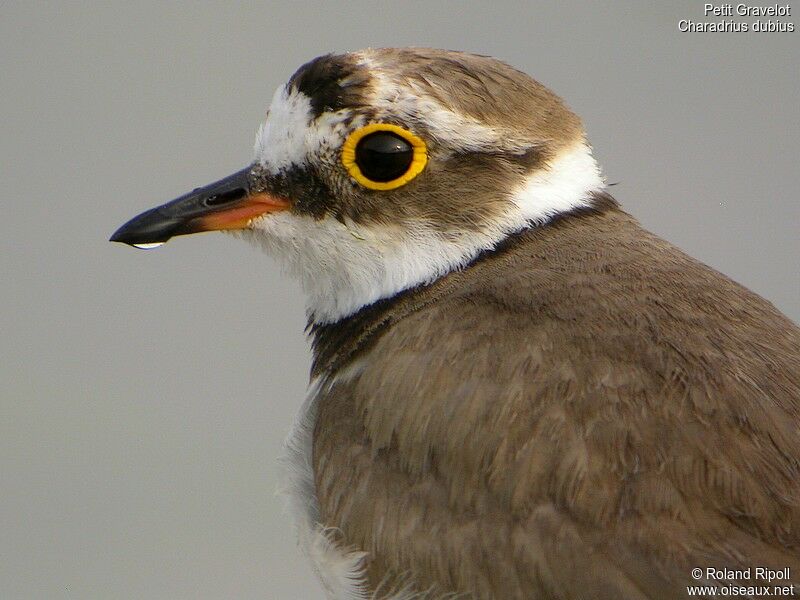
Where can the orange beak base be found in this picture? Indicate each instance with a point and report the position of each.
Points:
(224, 204)
(239, 216)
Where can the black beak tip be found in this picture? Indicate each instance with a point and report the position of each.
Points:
(118, 236)
(184, 214)
(150, 227)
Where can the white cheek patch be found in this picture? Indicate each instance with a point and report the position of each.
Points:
(290, 137)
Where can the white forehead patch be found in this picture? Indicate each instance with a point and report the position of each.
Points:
(290, 136)
(280, 139)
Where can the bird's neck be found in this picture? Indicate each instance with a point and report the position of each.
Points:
(337, 344)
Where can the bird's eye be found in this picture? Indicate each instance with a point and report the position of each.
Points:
(382, 156)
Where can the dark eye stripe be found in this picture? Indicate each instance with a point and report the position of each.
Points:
(383, 156)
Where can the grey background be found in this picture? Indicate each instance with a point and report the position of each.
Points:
(145, 395)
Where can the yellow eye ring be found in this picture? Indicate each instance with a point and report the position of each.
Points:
(350, 158)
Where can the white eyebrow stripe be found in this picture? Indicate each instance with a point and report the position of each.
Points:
(461, 133)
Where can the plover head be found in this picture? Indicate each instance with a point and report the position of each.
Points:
(380, 170)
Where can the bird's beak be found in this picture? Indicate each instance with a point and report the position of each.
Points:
(224, 204)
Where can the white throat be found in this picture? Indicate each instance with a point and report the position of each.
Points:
(343, 267)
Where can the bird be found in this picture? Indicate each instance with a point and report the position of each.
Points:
(516, 391)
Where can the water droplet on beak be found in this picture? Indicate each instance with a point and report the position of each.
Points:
(148, 246)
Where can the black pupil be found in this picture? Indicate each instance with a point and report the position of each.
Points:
(383, 156)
